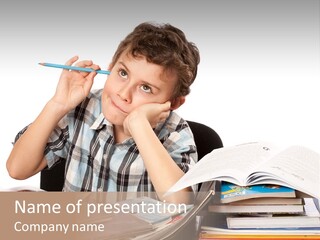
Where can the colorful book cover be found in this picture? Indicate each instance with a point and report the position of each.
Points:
(231, 192)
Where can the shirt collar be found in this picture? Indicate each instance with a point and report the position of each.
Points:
(100, 122)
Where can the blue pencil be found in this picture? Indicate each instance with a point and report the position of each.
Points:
(74, 68)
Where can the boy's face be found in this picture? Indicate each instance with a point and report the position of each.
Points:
(132, 83)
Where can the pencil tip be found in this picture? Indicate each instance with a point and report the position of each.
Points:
(41, 63)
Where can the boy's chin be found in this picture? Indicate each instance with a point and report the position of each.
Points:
(114, 120)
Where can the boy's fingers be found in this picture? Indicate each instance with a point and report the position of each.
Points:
(87, 63)
(163, 116)
(91, 76)
(89, 82)
(72, 60)
(166, 105)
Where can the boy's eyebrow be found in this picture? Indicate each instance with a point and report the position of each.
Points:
(122, 63)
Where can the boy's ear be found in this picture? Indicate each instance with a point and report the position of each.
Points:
(177, 102)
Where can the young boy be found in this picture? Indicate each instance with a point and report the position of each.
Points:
(124, 137)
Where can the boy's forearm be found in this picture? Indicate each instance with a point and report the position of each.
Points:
(163, 171)
(27, 155)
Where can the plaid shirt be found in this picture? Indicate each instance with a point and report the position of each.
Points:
(94, 162)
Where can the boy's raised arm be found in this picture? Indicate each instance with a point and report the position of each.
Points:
(27, 155)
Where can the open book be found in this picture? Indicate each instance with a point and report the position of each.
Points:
(296, 167)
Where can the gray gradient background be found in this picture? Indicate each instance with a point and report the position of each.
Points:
(257, 79)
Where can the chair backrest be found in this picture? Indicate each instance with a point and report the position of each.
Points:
(53, 179)
(206, 140)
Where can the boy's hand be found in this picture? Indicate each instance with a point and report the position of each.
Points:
(74, 86)
(152, 113)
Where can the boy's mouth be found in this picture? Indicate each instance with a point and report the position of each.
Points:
(119, 108)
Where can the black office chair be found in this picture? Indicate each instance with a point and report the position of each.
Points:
(206, 140)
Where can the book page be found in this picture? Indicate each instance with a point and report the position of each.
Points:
(297, 167)
(231, 164)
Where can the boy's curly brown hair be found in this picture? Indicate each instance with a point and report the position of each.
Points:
(164, 45)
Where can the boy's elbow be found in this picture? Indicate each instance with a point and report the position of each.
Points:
(185, 196)
(14, 172)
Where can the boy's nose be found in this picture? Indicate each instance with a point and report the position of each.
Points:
(125, 93)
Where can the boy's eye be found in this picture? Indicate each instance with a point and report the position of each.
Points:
(146, 88)
(123, 73)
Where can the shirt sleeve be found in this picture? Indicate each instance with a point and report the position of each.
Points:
(180, 144)
(181, 147)
(58, 144)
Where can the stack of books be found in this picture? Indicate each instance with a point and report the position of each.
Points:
(262, 210)
(263, 206)
(258, 163)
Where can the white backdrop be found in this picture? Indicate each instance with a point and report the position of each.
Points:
(257, 80)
